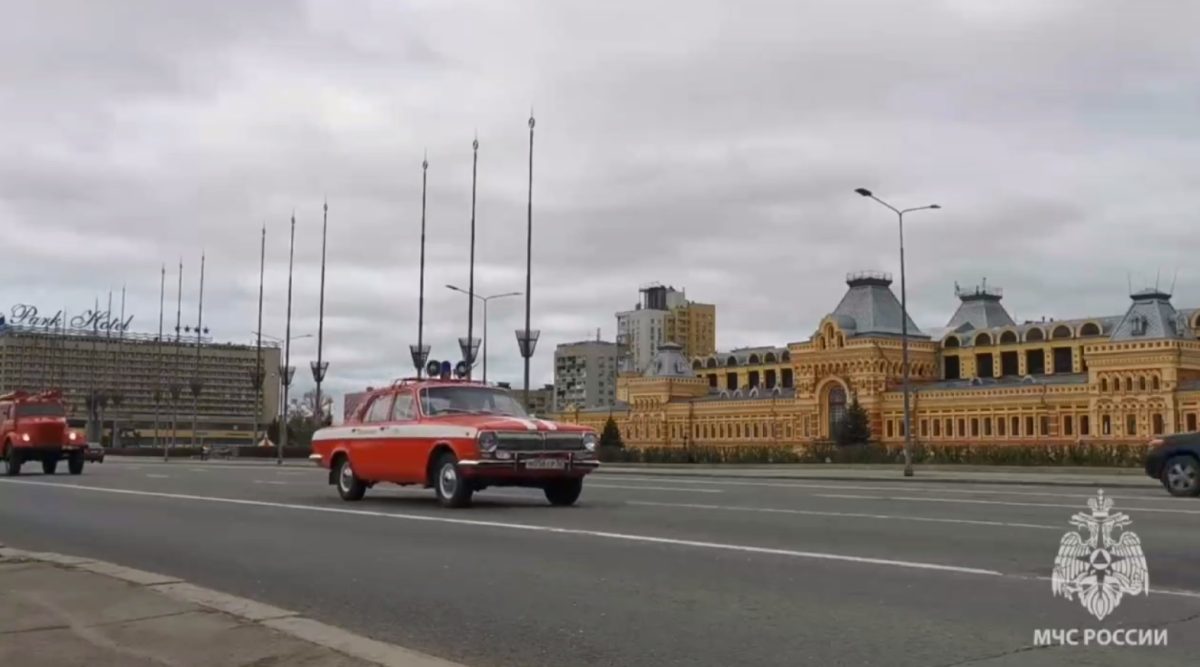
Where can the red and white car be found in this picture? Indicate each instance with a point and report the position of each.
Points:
(456, 436)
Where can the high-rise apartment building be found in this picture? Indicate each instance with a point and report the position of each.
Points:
(585, 374)
(664, 315)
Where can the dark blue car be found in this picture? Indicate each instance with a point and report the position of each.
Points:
(1175, 461)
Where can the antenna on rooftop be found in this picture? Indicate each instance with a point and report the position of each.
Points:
(1173, 279)
(1129, 281)
(1157, 274)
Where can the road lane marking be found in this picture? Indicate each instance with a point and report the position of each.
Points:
(1083, 491)
(626, 537)
(959, 501)
(155, 476)
(198, 469)
(650, 488)
(849, 515)
(269, 481)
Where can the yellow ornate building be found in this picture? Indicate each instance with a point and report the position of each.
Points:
(981, 378)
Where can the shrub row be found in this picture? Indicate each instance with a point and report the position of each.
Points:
(1031, 454)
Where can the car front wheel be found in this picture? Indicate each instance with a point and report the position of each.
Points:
(452, 490)
(565, 492)
(1181, 476)
(75, 464)
(349, 486)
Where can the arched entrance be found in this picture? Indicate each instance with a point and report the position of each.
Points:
(836, 408)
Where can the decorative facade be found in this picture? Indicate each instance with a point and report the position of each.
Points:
(981, 378)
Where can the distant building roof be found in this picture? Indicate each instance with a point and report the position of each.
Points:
(1151, 315)
(980, 308)
(869, 307)
(669, 362)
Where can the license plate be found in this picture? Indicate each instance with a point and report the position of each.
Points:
(546, 464)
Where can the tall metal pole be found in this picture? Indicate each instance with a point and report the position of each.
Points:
(421, 353)
(109, 375)
(908, 467)
(197, 383)
(176, 374)
(319, 370)
(258, 367)
(118, 392)
(527, 350)
(485, 302)
(470, 349)
(158, 383)
(287, 349)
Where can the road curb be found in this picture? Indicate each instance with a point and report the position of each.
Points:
(774, 477)
(280, 620)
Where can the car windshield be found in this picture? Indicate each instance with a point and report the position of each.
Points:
(469, 400)
(41, 410)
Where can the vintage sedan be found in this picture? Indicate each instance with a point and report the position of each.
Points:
(457, 437)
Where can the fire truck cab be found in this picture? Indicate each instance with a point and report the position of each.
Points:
(33, 427)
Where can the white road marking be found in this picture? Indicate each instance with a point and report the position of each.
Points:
(268, 481)
(590, 485)
(849, 515)
(1084, 492)
(198, 469)
(959, 501)
(627, 537)
(154, 476)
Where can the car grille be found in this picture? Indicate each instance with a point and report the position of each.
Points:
(540, 441)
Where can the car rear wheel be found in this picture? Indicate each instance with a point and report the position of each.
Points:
(49, 466)
(12, 462)
(452, 490)
(1181, 476)
(564, 492)
(75, 463)
(349, 486)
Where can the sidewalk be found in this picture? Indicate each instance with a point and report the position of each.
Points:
(865, 472)
(61, 611)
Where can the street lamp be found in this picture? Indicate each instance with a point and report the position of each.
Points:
(485, 300)
(287, 370)
(908, 467)
(527, 338)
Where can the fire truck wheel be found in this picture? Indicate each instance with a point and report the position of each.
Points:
(452, 489)
(49, 466)
(565, 492)
(349, 486)
(75, 464)
(12, 462)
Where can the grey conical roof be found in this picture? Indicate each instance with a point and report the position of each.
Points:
(980, 309)
(669, 362)
(1151, 315)
(869, 307)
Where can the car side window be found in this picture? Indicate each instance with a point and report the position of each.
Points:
(380, 409)
(402, 409)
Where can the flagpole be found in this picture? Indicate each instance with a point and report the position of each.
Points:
(258, 369)
(162, 295)
(197, 385)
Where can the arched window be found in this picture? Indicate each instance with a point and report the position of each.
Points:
(1089, 329)
(1142, 384)
(837, 408)
(1128, 384)
(1154, 383)
(786, 356)
(1035, 334)
(1008, 337)
(696, 365)
(753, 359)
(983, 339)
(712, 362)
(769, 358)
(731, 361)
(951, 341)
(1062, 331)
(1103, 384)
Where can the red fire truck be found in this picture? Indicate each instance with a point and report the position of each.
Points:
(33, 427)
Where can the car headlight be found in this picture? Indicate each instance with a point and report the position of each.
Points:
(589, 442)
(488, 442)
(71, 435)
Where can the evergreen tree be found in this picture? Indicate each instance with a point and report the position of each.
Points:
(611, 435)
(855, 428)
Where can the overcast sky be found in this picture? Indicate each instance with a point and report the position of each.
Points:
(709, 145)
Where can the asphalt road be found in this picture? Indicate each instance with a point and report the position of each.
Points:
(644, 571)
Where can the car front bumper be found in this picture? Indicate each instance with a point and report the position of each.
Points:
(517, 467)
